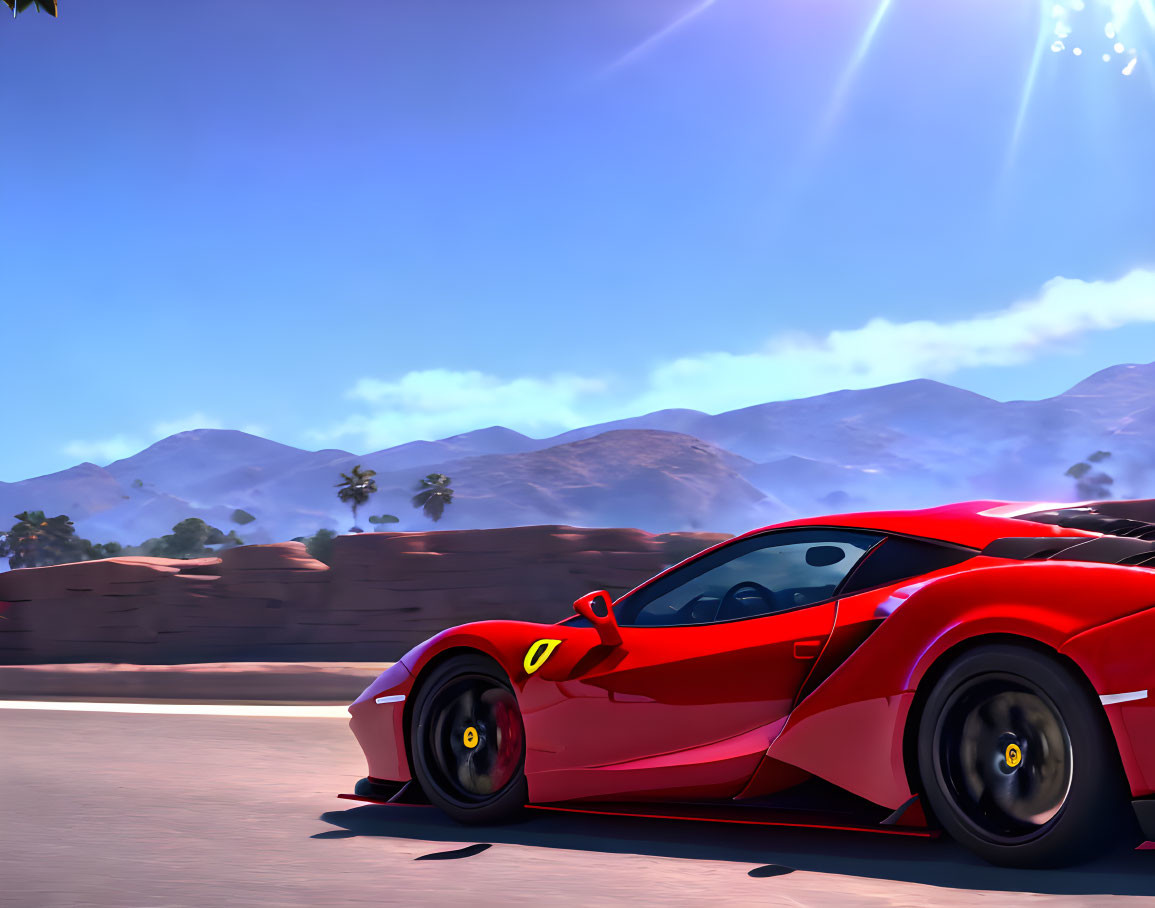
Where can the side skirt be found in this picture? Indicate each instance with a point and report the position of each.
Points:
(812, 805)
(750, 815)
(378, 791)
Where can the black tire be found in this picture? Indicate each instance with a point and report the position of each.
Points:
(1017, 761)
(468, 742)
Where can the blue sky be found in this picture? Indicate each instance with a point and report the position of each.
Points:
(351, 224)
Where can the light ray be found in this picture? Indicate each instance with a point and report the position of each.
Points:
(646, 46)
(1029, 84)
(802, 171)
(850, 71)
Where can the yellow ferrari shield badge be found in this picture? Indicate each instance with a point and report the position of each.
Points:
(1014, 755)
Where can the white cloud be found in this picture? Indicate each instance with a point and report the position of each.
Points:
(434, 403)
(882, 351)
(197, 420)
(438, 402)
(102, 451)
(106, 450)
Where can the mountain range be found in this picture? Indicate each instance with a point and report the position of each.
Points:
(910, 444)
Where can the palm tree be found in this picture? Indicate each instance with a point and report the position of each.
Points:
(18, 6)
(355, 488)
(37, 540)
(1089, 485)
(433, 494)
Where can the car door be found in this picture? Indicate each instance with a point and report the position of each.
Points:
(712, 657)
(866, 596)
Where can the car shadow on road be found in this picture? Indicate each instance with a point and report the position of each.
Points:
(773, 850)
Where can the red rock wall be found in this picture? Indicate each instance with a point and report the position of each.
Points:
(384, 593)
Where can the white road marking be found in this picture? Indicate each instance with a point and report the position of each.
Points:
(185, 709)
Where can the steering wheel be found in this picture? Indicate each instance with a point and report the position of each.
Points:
(733, 597)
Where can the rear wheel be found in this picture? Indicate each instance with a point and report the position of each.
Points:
(1017, 761)
(468, 741)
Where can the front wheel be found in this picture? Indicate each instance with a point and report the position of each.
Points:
(1017, 761)
(468, 742)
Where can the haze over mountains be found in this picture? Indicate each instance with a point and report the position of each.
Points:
(910, 444)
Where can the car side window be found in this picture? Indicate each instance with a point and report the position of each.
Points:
(759, 576)
(900, 558)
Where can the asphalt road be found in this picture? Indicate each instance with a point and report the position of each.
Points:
(149, 809)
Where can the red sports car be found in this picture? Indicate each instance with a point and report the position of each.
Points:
(982, 668)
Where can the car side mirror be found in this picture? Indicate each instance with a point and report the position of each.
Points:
(606, 624)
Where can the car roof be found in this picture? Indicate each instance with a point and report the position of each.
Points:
(971, 523)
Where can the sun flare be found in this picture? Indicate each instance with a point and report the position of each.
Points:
(1113, 30)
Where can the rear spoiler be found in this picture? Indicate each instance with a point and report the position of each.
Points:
(1133, 509)
(1101, 549)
